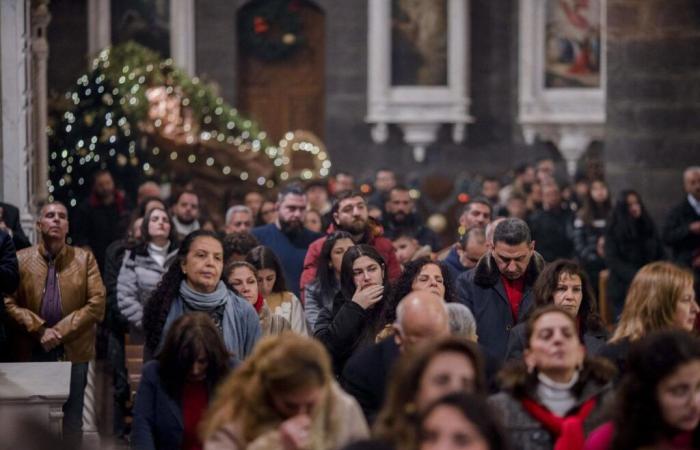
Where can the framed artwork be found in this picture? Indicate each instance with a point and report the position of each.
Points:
(418, 69)
(562, 73)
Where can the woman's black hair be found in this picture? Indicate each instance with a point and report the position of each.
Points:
(546, 285)
(593, 210)
(189, 336)
(262, 257)
(637, 416)
(623, 225)
(324, 272)
(475, 409)
(142, 246)
(403, 286)
(157, 307)
(347, 283)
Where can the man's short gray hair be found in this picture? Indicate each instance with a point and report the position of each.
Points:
(461, 320)
(237, 209)
(512, 231)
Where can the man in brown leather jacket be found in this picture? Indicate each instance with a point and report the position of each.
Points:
(56, 307)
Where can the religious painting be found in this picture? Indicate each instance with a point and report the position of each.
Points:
(419, 42)
(573, 44)
(144, 21)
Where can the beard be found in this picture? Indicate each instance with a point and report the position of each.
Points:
(357, 226)
(292, 228)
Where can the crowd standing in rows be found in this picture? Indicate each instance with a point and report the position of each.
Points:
(325, 318)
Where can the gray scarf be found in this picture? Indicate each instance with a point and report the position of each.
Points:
(199, 301)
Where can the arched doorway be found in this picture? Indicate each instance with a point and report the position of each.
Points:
(286, 93)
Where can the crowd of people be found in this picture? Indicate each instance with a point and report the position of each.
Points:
(329, 318)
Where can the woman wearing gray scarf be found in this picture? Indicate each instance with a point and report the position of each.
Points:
(193, 283)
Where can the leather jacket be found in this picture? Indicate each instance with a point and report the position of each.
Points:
(82, 300)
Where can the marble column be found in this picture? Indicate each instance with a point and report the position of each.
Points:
(40, 55)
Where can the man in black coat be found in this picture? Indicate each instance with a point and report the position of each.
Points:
(498, 291)
(682, 228)
(401, 215)
(365, 374)
(553, 226)
(9, 280)
(10, 224)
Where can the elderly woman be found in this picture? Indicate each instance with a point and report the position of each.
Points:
(564, 283)
(441, 367)
(354, 319)
(283, 397)
(144, 266)
(553, 397)
(193, 283)
(177, 386)
(660, 297)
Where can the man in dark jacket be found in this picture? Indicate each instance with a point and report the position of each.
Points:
(10, 224)
(420, 316)
(401, 215)
(466, 252)
(498, 291)
(9, 280)
(287, 237)
(553, 226)
(682, 228)
(101, 219)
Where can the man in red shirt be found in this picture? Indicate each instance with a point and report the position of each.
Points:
(498, 290)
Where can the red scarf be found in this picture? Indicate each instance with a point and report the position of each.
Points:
(259, 303)
(568, 431)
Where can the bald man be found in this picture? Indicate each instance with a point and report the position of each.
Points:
(420, 317)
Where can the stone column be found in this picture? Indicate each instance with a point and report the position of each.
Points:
(40, 55)
(653, 103)
(99, 27)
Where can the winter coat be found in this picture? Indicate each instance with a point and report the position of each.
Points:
(345, 328)
(82, 300)
(315, 300)
(344, 411)
(481, 290)
(527, 433)
(373, 236)
(552, 230)
(366, 374)
(625, 255)
(454, 265)
(138, 278)
(593, 341)
(676, 233)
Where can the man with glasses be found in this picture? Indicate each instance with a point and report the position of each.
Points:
(498, 291)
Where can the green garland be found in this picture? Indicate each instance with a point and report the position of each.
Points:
(271, 29)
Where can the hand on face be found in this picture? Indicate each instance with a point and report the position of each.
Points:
(295, 433)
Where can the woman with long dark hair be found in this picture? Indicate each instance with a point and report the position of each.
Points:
(272, 287)
(354, 319)
(177, 386)
(589, 229)
(658, 401)
(631, 241)
(320, 293)
(143, 267)
(193, 283)
(564, 283)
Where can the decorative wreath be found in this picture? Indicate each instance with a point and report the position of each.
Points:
(271, 29)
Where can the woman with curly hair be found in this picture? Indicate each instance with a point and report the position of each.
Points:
(554, 397)
(242, 277)
(354, 319)
(661, 297)
(320, 293)
(443, 366)
(564, 283)
(193, 283)
(422, 274)
(658, 401)
(283, 397)
(273, 288)
(176, 387)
